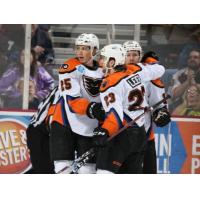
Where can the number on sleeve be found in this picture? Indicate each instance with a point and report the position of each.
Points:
(65, 84)
(110, 98)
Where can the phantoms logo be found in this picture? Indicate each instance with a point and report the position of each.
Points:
(14, 155)
(92, 85)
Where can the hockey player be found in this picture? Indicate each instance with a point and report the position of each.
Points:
(79, 109)
(122, 96)
(38, 135)
(154, 92)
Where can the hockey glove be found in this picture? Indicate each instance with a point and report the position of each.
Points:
(161, 117)
(100, 137)
(149, 57)
(96, 111)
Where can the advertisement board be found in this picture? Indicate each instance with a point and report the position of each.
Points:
(178, 146)
(14, 154)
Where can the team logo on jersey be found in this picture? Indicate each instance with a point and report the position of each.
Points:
(64, 66)
(133, 81)
(92, 85)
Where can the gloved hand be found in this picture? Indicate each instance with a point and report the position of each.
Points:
(96, 111)
(149, 57)
(161, 117)
(100, 136)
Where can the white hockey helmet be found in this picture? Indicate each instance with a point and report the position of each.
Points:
(95, 40)
(132, 45)
(113, 51)
(87, 39)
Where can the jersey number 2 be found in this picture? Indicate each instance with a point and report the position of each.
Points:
(137, 96)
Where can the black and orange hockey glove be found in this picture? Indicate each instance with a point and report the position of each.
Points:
(150, 57)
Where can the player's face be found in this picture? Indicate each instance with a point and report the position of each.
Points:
(132, 57)
(83, 53)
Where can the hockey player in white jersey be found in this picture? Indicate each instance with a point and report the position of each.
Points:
(154, 92)
(79, 110)
(122, 96)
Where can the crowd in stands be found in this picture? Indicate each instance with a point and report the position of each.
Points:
(186, 87)
(12, 67)
(183, 82)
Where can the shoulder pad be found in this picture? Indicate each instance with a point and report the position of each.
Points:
(133, 68)
(69, 66)
(112, 80)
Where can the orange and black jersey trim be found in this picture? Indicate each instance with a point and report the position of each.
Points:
(133, 68)
(115, 78)
(151, 60)
(112, 122)
(50, 113)
(112, 80)
(59, 114)
(78, 105)
(150, 133)
(158, 82)
(69, 66)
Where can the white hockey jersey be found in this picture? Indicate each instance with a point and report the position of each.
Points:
(155, 92)
(79, 85)
(122, 93)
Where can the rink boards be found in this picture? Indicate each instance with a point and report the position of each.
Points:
(177, 145)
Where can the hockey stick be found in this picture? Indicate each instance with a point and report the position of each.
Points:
(78, 163)
(83, 159)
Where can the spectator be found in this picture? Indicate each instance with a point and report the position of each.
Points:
(191, 104)
(193, 44)
(41, 43)
(11, 42)
(17, 101)
(183, 78)
(44, 81)
(9, 77)
(3, 62)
